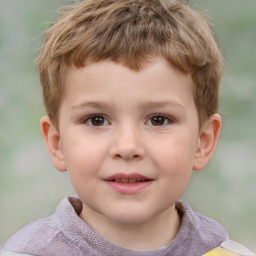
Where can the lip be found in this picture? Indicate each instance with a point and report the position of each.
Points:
(128, 183)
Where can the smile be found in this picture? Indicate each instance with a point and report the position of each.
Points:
(128, 183)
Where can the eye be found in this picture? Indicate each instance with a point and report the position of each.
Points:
(159, 120)
(96, 120)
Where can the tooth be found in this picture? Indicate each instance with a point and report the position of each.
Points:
(128, 180)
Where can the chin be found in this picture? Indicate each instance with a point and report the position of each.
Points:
(130, 217)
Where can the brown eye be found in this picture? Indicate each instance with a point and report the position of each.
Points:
(158, 121)
(96, 121)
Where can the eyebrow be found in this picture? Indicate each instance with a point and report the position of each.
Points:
(161, 104)
(92, 104)
(144, 105)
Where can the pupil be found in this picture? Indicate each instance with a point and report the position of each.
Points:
(157, 120)
(97, 121)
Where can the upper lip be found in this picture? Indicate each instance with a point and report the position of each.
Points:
(124, 176)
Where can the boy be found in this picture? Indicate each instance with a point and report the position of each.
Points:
(131, 93)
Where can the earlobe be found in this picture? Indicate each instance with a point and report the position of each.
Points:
(207, 141)
(53, 143)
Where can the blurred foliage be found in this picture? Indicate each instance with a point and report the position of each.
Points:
(30, 188)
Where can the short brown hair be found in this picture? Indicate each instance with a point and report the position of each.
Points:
(130, 32)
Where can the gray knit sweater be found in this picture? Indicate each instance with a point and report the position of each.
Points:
(65, 234)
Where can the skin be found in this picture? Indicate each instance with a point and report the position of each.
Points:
(143, 123)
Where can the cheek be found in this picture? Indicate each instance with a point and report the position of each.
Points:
(83, 157)
(174, 162)
(83, 170)
(175, 153)
(175, 169)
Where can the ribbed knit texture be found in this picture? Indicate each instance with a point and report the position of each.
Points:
(65, 234)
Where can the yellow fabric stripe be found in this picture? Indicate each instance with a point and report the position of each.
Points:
(220, 252)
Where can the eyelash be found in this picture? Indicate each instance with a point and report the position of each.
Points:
(90, 117)
(163, 116)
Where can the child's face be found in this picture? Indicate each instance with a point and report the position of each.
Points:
(129, 140)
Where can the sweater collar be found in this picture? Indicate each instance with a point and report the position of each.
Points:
(197, 234)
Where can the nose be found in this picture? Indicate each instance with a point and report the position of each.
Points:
(127, 144)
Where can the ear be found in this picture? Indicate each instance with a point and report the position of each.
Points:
(53, 143)
(207, 141)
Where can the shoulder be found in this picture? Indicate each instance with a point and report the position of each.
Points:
(37, 234)
(52, 235)
(230, 248)
(6, 253)
(203, 226)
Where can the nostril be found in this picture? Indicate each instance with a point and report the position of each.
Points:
(128, 155)
(127, 147)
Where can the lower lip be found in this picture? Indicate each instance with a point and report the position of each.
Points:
(129, 188)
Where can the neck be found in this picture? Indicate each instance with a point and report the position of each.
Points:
(152, 234)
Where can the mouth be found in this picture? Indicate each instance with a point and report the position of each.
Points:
(128, 178)
(128, 183)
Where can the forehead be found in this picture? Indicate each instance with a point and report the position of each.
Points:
(109, 85)
(105, 73)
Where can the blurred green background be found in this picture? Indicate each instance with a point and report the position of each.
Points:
(30, 188)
